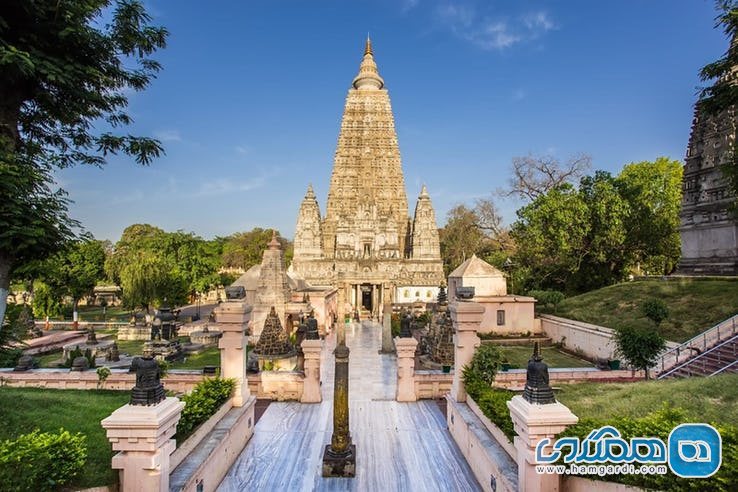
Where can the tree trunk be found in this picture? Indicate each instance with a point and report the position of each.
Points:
(5, 264)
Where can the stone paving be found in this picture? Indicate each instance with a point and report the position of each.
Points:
(400, 446)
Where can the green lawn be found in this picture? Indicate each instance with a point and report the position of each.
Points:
(519, 356)
(95, 313)
(694, 305)
(713, 399)
(209, 357)
(25, 409)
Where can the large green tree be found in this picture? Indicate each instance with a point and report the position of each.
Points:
(578, 239)
(245, 249)
(65, 66)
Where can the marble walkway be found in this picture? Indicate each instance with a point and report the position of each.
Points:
(400, 446)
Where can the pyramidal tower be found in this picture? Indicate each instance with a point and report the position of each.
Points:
(366, 245)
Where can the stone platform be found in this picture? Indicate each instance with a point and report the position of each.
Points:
(400, 446)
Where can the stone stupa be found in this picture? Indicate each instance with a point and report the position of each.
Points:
(274, 350)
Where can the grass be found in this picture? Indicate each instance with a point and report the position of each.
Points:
(209, 357)
(24, 409)
(694, 305)
(519, 355)
(713, 399)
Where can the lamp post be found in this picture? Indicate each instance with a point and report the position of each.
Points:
(508, 266)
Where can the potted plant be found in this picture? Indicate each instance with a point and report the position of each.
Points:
(505, 364)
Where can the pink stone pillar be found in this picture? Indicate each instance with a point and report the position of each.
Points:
(405, 348)
(143, 436)
(311, 384)
(466, 316)
(532, 423)
(232, 320)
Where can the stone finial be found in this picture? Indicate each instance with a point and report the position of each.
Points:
(442, 298)
(424, 192)
(368, 77)
(274, 243)
(537, 389)
(310, 194)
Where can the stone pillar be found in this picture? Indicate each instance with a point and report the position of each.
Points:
(311, 385)
(232, 320)
(466, 317)
(406, 368)
(534, 422)
(387, 346)
(142, 435)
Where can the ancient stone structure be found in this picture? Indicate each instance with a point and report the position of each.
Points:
(148, 389)
(274, 346)
(537, 390)
(367, 245)
(709, 234)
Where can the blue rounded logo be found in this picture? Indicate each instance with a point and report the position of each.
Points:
(695, 450)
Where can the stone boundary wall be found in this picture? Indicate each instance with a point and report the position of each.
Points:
(514, 379)
(206, 466)
(493, 468)
(496, 432)
(196, 437)
(571, 483)
(592, 341)
(432, 384)
(275, 386)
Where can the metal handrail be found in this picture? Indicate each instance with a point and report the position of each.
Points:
(735, 362)
(702, 357)
(698, 343)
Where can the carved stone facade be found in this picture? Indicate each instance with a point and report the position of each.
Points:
(709, 234)
(367, 246)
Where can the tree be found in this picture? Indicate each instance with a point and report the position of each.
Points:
(534, 176)
(62, 70)
(75, 271)
(656, 310)
(148, 279)
(245, 249)
(653, 191)
(639, 347)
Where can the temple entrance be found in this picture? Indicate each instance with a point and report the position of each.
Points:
(366, 297)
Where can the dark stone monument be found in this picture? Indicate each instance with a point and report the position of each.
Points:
(113, 354)
(25, 363)
(91, 337)
(235, 293)
(464, 293)
(148, 389)
(80, 363)
(312, 327)
(165, 321)
(405, 320)
(339, 457)
(537, 389)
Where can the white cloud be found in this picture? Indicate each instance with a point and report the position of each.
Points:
(242, 149)
(168, 135)
(538, 21)
(490, 31)
(409, 4)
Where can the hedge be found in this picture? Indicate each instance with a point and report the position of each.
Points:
(202, 403)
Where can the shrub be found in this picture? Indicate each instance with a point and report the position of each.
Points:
(395, 324)
(204, 400)
(655, 310)
(73, 354)
(102, 375)
(659, 424)
(639, 347)
(493, 403)
(41, 461)
(483, 366)
(548, 298)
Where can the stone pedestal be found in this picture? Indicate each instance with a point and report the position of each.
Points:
(406, 368)
(387, 346)
(466, 317)
(232, 320)
(143, 436)
(311, 386)
(532, 423)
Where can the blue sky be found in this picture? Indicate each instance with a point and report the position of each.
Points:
(249, 102)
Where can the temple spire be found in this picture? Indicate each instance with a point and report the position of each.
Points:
(368, 77)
